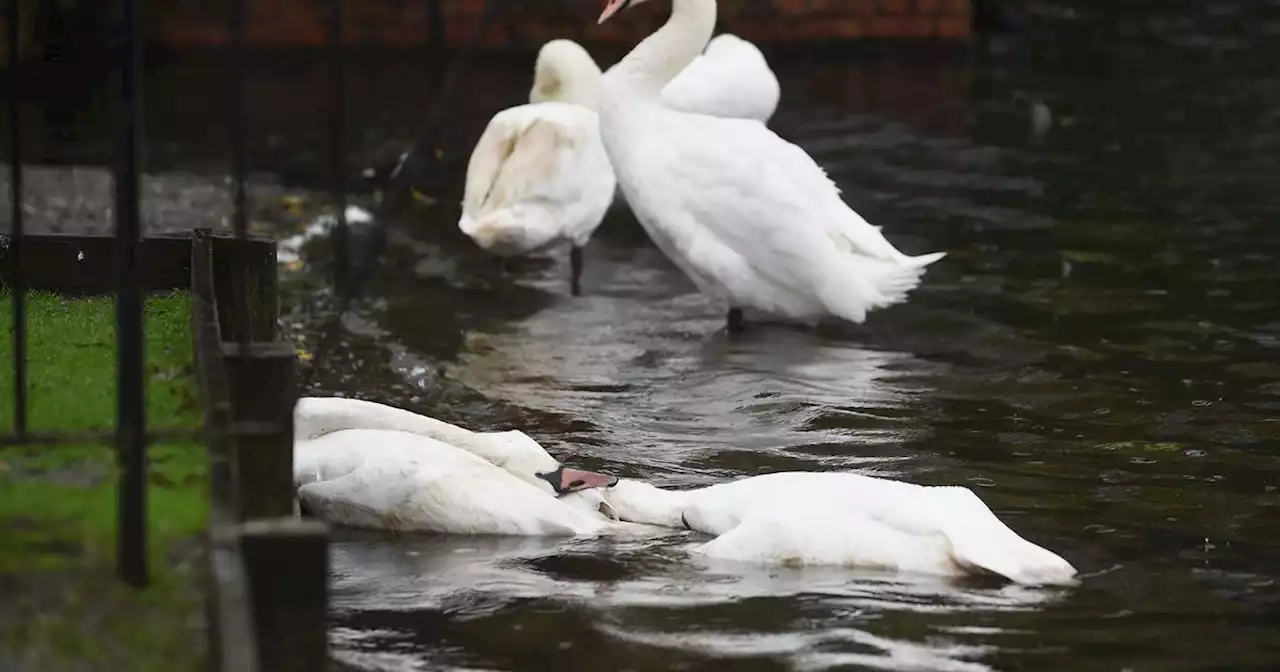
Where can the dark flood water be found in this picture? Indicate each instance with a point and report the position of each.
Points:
(1098, 356)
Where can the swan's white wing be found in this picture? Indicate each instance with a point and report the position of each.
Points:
(342, 452)
(850, 519)
(732, 79)
(424, 496)
(981, 540)
(828, 538)
(538, 173)
(757, 215)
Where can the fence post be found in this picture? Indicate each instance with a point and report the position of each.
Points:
(263, 382)
(287, 561)
(244, 276)
(131, 418)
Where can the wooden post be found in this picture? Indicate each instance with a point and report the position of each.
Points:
(263, 381)
(287, 561)
(244, 276)
(232, 644)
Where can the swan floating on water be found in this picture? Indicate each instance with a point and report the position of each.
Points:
(748, 216)
(836, 518)
(539, 176)
(367, 465)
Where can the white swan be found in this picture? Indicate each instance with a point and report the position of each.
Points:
(835, 518)
(363, 464)
(731, 78)
(748, 216)
(539, 176)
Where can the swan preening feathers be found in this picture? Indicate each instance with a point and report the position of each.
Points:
(363, 464)
(539, 176)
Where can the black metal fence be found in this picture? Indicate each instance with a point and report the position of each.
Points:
(132, 433)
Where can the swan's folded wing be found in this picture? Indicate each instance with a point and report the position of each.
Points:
(523, 152)
(421, 497)
(726, 82)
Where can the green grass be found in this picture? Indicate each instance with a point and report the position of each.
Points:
(71, 369)
(58, 503)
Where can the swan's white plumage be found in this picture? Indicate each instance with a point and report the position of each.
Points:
(394, 480)
(730, 79)
(513, 450)
(537, 177)
(750, 217)
(835, 518)
(364, 464)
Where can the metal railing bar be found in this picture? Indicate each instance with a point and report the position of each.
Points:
(239, 149)
(401, 184)
(153, 436)
(19, 288)
(238, 153)
(130, 386)
(337, 148)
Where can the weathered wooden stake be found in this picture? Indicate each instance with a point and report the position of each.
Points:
(287, 561)
(263, 381)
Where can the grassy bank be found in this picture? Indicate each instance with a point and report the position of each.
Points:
(63, 607)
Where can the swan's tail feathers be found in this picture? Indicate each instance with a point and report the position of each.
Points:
(980, 541)
(852, 287)
(922, 260)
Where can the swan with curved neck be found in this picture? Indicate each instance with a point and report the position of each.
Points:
(844, 519)
(748, 216)
(564, 72)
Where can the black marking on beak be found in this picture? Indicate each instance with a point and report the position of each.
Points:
(584, 479)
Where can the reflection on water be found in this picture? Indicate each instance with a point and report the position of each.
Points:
(620, 586)
(662, 388)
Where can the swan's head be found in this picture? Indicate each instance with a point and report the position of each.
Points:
(616, 6)
(566, 73)
(519, 454)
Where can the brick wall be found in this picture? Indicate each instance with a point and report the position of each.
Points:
(528, 23)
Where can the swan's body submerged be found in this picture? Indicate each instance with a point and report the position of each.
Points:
(539, 176)
(366, 465)
(804, 518)
(748, 216)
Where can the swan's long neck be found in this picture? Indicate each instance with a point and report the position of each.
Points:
(662, 56)
(315, 417)
(638, 502)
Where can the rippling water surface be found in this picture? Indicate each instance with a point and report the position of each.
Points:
(1098, 356)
